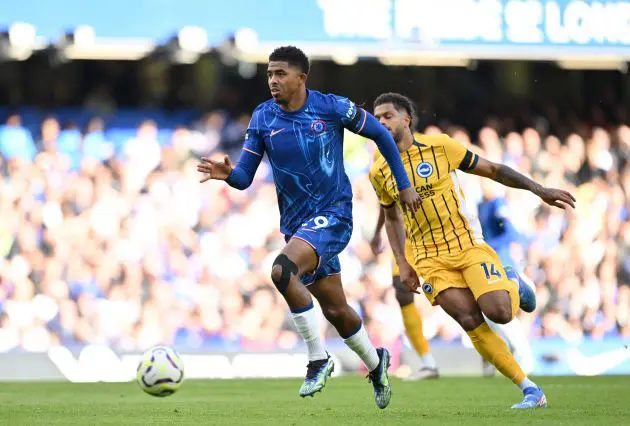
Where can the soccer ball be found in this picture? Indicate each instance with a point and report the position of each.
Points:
(160, 372)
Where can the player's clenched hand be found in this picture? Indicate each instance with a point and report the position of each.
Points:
(410, 199)
(214, 169)
(409, 277)
(556, 197)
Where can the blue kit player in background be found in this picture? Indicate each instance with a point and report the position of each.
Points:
(502, 236)
(301, 131)
(498, 231)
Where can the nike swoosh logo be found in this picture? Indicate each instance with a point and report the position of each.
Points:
(494, 281)
(275, 132)
(595, 365)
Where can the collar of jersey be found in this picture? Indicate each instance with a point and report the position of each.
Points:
(416, 144)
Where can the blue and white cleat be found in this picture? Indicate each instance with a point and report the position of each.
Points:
(380, 379)
(317, 373)
(525, 292)
(534, 398)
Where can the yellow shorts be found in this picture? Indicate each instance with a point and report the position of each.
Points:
(477, 268)
(408, 255)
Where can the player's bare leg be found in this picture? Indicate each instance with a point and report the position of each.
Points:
(296, 258)
(332, 299)
(461, 305)
(497, 306)
(414, 330)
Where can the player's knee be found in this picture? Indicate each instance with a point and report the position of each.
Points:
(276, 274)
(281, 272)
(404, 298)
(469, 321)
(497, 306)
(500, 314)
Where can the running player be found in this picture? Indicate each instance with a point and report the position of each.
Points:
(301, 131)
(500, 234)
(412, 318)
(462, 273)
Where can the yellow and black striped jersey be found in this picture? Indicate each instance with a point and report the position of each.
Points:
(444, 224)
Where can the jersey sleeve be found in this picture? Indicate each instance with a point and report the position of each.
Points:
(253, 136)
(378, 183)
(243, 173)
(458, 156)
(347, 113)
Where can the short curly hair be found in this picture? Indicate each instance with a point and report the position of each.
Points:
(400, 102)
(291, 54)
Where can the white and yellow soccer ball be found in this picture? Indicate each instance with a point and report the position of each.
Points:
(160, 371)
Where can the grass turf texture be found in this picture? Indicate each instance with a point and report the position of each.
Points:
(344, 401)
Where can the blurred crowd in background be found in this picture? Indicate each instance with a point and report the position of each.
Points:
(107, 237)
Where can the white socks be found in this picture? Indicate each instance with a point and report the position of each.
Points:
(307, 325)
(428, 361)
(526, 383)
(360, 343)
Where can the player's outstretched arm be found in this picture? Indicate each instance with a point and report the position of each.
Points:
(239, 177)
(396, 235)
(509, 177)
(212, 169)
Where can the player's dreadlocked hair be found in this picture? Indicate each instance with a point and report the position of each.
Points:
(292, 55)
(400, 102)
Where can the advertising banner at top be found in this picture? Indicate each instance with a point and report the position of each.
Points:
(528, 27)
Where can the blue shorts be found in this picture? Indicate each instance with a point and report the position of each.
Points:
(328, 234)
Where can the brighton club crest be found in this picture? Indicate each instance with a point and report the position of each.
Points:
(424, 169)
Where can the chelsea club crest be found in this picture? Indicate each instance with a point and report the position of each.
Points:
(318, 127)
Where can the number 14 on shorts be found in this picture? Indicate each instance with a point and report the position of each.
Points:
(492, 273)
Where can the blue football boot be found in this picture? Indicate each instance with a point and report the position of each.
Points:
(525, 292)
(533, 398)
(380, 379)
(317, 373)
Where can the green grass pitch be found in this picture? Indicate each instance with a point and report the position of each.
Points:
(344, 401)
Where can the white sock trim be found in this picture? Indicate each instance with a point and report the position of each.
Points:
(428, 361)
(526, 383)
(360, 343)
(307, 325)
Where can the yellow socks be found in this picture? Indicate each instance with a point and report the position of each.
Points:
(413, 328)
(492, 348)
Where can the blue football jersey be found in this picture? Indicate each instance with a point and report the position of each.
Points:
(493, 216)
(498, 231)
(305, 151)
